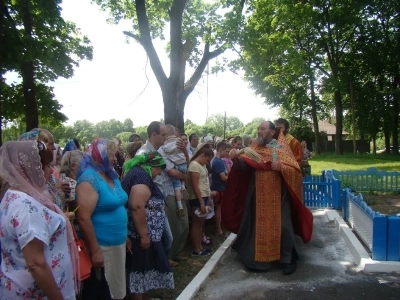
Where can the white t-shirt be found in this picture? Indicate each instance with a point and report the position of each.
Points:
(23, 219)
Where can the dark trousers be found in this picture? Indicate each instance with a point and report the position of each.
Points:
(95, 287)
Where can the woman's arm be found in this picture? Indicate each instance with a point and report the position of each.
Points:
(36, 262)
(138, 197)
(87, 199)
(195, 177)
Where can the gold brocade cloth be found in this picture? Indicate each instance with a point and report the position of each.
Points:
(268, 189)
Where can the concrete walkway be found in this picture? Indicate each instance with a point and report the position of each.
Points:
(327, 270)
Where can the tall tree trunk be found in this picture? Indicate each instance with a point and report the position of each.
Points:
(353, 118)
(28, 85)
(386, 134)
(2, 4)
(395, 132)
(339, 122)
(317, 149)
(174, 106)
(27, 71)
(374, 144)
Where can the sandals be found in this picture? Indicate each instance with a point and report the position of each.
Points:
(207, 241)
(223, 234)
(200, 253)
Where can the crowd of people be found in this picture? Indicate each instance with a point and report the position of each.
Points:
(132, 208)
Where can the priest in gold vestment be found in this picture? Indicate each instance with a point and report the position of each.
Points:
(263, 203)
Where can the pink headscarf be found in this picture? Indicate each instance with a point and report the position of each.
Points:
(21, 168)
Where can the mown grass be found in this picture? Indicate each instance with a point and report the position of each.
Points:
(384, 162)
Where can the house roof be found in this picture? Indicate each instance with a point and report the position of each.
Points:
(328, 128)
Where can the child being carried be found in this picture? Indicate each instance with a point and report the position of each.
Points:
(179, 159)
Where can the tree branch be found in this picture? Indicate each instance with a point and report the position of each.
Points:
(147, 43)
(147, 83)
(207, 56)
(134, 36)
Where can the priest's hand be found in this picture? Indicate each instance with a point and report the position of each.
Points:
(276, 165)
(233, 154)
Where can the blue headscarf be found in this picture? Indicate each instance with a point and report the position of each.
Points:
(69, 146)
(30, 135)
(96, 158)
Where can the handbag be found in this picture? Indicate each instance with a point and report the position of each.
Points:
(85, 263)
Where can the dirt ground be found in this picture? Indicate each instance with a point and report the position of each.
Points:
(187, 270)
(385, 203)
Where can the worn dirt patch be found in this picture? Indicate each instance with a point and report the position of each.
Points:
(385, 203)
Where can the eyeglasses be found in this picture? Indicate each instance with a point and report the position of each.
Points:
(41, 146)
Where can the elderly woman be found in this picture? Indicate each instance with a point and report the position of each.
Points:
(305, 166)
(40, 258)
(56, 188)
(72, 144)
(147, 265)
(119, 155)
(102, 217)
(70, 163)
(56, 162)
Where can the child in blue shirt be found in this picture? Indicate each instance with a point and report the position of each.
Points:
(219, 175)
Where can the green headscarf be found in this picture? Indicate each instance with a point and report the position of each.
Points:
(146, 161)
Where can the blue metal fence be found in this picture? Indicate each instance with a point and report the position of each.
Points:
(321, 191)
(371, 179)
(381, 234)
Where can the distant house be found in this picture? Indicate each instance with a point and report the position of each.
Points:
(330, 130)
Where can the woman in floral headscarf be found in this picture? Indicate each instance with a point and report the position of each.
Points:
(40, 258)
(147, 263)
(102, 218)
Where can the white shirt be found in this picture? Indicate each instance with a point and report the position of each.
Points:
(23, 219)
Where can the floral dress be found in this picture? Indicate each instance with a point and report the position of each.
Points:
(147, 269)
(23, 219)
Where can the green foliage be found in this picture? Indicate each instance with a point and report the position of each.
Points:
(14, 106)
(142, 132)
(291, 50)
(41, 46)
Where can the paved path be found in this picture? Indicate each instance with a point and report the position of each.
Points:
(326, 271)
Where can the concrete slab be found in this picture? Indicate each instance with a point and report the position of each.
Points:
(331, 261)
(358, 251)
(195, 284)
(326, 270)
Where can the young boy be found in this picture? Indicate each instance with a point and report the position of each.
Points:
(178, 158)
(219, 174)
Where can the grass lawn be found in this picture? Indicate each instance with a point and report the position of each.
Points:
(384, 162)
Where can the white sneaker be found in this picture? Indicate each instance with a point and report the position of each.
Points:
(198, 213)
(210, 214)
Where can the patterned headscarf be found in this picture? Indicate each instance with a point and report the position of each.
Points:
(21, 168)
(30, 135)
(146, 161)
(69, 146)
(96, 157)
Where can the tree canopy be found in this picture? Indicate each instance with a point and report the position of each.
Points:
(196, 31)
(319, 58)
(39, 45)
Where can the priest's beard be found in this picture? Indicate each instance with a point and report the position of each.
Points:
(262, 141)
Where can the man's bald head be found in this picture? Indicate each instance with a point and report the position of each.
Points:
(46, 137)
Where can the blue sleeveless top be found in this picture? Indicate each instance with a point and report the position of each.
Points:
(109, 218)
